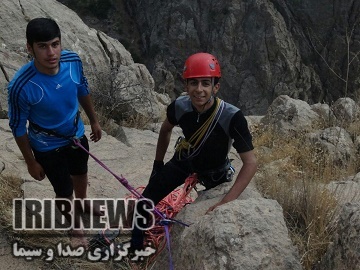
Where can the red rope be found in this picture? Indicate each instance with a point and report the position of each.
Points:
(171, 205)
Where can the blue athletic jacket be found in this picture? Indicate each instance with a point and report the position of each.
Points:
(48, 101)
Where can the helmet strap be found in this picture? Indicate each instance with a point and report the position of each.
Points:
(212, 90)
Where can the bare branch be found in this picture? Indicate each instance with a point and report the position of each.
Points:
(325, 61)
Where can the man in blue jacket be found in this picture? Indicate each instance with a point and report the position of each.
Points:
(45, 94)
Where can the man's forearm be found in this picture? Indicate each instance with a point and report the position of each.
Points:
(87, 105)
(25, 148)
(162, 146)
(243, 179)
(163, 140)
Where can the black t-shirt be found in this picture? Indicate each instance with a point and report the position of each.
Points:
(231, 128)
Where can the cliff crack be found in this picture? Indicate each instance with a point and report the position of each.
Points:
(27, 18)
(106, 49)
(4, 72)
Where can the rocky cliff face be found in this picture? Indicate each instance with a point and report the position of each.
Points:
(304, 49)
(266, 47)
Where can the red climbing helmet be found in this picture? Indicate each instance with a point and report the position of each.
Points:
(201, 65)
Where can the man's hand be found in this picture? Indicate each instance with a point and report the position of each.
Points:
(244, 177)
(95, 134)
(36, 170)
(214, 206)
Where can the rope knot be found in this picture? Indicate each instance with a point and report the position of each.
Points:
(123, 180)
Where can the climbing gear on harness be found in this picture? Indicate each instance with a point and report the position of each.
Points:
(49, 132)
(201, 65)
(230, 174)
(187, 149)
(222, 174)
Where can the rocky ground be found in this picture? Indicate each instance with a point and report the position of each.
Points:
(132, 160)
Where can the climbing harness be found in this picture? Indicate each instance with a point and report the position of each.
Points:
(212, 178)
(189, 149)
(49, 132)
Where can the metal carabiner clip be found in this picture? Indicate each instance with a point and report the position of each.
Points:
(76, 142)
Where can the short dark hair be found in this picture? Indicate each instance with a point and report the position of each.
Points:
(41, 30)
(216, 80)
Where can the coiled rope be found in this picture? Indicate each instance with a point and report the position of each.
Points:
(194, 144)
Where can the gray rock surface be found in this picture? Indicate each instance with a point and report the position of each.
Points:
(344, 250)
(236, 235)
(286, 115)
(336, 143)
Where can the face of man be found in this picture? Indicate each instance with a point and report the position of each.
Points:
(200, 91)
(46, 55)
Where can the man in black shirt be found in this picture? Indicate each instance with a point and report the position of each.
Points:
(210, 126)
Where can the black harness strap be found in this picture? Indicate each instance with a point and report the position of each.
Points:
(38, 129)
(219, 175)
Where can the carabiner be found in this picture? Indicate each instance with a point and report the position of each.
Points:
(76, 142)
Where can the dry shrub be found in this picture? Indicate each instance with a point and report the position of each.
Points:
(135, 120)
(138, 121)
(9, 189)
(295, 174)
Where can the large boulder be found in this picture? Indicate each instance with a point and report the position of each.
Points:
(346, 190)
(326, 115)
(346, 111)
(335, 144)
(247, 233)
(287, 115)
